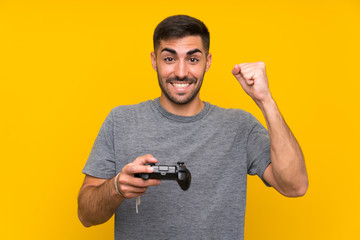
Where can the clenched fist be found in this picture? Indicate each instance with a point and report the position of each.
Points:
(252, 78)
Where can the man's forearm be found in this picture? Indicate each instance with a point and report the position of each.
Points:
(287, 160)
(287, 172)
(97, 204)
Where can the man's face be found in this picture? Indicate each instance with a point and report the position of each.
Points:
(180, 65)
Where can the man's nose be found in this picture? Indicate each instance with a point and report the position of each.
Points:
(181, 70)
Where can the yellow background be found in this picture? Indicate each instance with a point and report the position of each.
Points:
(65, 64)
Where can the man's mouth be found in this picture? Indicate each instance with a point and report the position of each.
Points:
(180, 85)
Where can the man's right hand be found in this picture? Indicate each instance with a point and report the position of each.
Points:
(98, 199)
(131, 186)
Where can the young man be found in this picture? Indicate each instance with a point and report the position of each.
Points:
(219, 147)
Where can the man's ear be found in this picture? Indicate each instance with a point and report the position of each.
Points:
(153, 60)
(208, 61)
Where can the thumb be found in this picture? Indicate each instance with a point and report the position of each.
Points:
(145, 159)
(236, 71)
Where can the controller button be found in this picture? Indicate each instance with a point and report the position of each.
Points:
(163, 168)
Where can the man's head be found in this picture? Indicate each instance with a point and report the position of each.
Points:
(181, 57)
(180, 26)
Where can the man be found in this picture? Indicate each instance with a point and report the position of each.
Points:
(219, 147)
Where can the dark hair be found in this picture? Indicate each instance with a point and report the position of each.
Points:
(180, 26)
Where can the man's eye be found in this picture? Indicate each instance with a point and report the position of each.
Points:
(194, 60)
(169, 59)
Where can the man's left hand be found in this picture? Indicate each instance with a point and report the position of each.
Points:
(253, 79)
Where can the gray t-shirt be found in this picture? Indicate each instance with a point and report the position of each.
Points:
(219, 147)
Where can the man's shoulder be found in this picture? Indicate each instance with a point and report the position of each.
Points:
(126, 109)
(130, 112)
(234, 117)
(232, 112)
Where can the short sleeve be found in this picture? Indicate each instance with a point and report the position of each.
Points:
(258, 149)
(101, 162)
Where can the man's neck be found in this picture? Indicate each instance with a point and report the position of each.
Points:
(190, 109)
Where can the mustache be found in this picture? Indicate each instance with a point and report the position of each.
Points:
(177, 79)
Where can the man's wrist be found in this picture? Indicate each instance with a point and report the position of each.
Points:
(266, 103)
(116, 184)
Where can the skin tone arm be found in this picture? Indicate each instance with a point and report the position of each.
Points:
(287, 171)
(98, 198)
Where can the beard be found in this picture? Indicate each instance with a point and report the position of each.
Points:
(179, 100)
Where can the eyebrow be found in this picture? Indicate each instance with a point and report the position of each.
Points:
(194, 51)
(188, 53)
(168, 50)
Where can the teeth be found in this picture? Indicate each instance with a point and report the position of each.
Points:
(181, 85)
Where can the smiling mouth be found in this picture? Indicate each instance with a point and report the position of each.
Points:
(180, 85)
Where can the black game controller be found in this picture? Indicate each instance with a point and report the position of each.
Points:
(169, 172)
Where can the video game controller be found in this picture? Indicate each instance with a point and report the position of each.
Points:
(169, 172)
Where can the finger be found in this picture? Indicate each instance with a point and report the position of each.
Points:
(139, 182)
(251, 64)
(132, 189)
(138, 186)
(132, 192)
(126, 180)
(145, 159)
(248, 75)
(132, 169)
(250, 67)
(152, 182)
(236, 70)
(138, 165)
(245, 65)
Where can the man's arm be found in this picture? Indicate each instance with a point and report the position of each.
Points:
(97, 201)
(287, 171)
(98, 198)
